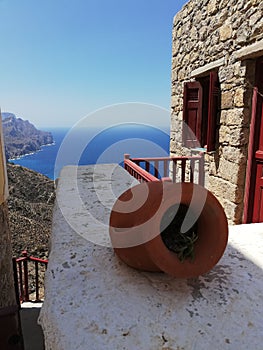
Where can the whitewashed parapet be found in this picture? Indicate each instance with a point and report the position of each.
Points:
(94, 301)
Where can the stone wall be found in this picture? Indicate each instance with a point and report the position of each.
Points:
(209, 34)
(7, 293)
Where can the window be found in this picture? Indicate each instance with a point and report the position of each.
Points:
(200, 109)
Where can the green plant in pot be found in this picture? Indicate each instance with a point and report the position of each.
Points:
(181, 243)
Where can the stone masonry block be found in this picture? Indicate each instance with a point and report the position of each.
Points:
(227, 170)
(234, 154)
(227, 100)
(233, 211)
(225, 189)
(233, 135)
(176, 122)
(239, 97)
(231, 117)
(212, 7)
(225, 32)
(230, 172)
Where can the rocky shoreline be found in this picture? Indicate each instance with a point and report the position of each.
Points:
(30, 153)
(21, 137)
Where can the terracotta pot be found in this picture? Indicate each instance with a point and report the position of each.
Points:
(135, 228)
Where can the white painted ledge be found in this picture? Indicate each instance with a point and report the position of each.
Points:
(95, 302)
(250, 51)
(207, 68)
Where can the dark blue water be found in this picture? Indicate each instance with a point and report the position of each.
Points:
(44, 160)
(93, 146)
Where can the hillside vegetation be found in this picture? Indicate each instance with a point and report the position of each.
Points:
(30, 206)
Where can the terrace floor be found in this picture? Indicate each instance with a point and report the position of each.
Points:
(32, 332)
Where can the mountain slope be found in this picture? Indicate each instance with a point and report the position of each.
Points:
(21, 137)
(30, 206)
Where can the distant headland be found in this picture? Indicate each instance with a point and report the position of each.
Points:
(21, 137)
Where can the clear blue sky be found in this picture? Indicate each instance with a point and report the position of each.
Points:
(62, 59)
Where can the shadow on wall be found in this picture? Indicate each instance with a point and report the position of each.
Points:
(32, 332)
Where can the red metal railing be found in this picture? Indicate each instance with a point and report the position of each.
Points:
(21, 276)
(136, 171)
(175, 169)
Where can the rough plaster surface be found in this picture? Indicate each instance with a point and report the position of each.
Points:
(95, 302)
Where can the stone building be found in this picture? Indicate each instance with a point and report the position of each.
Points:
(217, 90)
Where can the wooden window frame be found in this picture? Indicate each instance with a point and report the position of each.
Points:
(204, 109)
(192, 115)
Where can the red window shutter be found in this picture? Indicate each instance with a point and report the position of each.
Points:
(192, 114)
(212, 111)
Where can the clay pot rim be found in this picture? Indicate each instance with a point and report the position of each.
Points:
(190, 268)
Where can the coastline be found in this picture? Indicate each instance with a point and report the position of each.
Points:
(43, 160)
(31, 153)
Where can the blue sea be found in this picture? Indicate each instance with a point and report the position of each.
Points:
(97, 145)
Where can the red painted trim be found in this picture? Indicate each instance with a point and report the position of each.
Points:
(192, 114)
(42, 261)
(143, 174)
(248, 184)
(165, 158)
(259, 155)
(257, 207)
(212, 111)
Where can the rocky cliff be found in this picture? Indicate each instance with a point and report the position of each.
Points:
(30, 205)
(21, 137)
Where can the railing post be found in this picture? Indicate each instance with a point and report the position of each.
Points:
(126, 156)
(174, 169)
(37, 281)
(147, 166)
(16, 281)
(183, 166)
(201, 170)
(25, 265)
(192, 169)
(165, 168)
(156, 168)
(20, 272)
